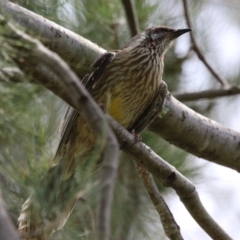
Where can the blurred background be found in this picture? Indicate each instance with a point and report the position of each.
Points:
(30, 117)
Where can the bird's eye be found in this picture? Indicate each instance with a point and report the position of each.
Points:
(156, 35)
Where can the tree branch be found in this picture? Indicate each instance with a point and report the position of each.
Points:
(207, 94)
(33, 51)
(169, 177)
(132, 18)
(170, 227)
(7, 230)
(199, 52)
(198, 135)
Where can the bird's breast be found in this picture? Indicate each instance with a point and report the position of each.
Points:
(127, 105)
(128, 88)
(116, 110)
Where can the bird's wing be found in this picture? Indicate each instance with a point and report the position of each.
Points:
(151, 111)
(98, 69)
(89, 81)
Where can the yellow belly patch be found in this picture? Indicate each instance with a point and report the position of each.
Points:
(116, 109)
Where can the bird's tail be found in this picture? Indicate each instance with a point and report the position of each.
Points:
(49, 207)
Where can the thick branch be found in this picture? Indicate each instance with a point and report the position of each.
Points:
(197, 134)
(169, 176)
(7, 230)
(132, 18)
(170, 227)
(198, 51)
(207, 94)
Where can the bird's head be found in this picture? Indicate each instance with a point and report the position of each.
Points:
(158, 38)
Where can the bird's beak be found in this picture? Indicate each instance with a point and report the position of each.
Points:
(179, 32)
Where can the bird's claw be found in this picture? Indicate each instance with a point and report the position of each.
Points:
(136, 136)
(102, 107)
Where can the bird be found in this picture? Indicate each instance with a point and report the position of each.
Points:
(128, 84)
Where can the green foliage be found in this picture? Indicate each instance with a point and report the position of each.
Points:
(27, 129)
(46, 8)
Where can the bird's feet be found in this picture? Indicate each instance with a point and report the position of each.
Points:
(136, 136)
(102, 107)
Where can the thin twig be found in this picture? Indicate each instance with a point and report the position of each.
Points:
(132, 18)
(199, 52)
(207, 94)
(169, 177)
(7, 230)
(89, 110)
(170, 226)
